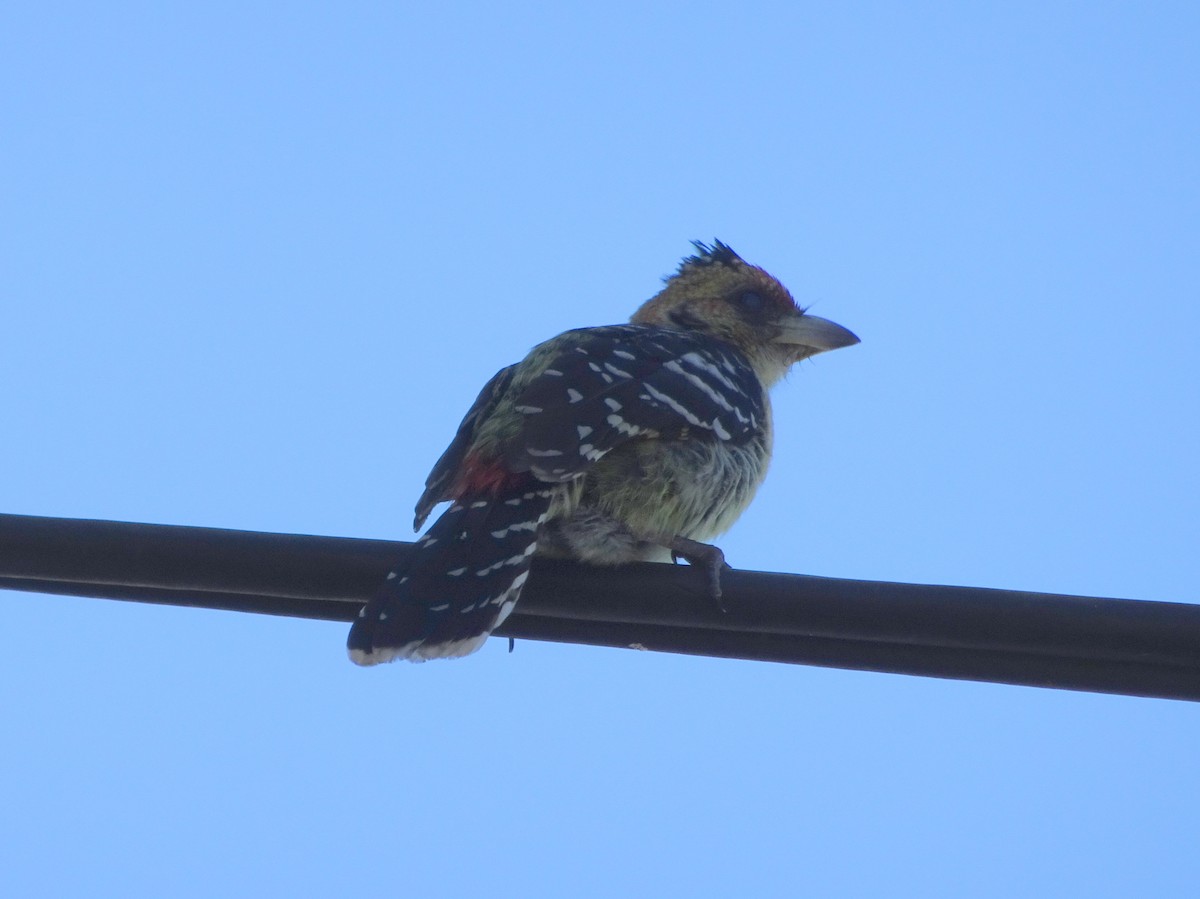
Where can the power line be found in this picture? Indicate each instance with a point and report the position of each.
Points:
(1131, 647)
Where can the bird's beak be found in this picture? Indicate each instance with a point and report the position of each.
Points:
(815, 333)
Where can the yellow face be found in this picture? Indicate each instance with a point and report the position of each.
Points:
(723, 296)
(719, 293)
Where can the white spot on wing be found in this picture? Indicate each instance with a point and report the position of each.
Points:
(620, 373)
(623, 426)
(676, 405)
(702, 362)
(590, 453)
(703, 385)
(519, 526)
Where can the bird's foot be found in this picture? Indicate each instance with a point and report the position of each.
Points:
(702, 555)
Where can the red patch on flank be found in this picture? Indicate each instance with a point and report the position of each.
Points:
(485, 477)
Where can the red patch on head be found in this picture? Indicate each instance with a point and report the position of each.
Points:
(770, 287)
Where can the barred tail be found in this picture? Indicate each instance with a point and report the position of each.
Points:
(462, 580)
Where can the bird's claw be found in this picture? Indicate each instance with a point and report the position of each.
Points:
(706, 556)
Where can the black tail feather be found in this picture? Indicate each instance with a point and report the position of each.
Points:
(461, 581)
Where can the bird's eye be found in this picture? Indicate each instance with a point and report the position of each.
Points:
(751, 300)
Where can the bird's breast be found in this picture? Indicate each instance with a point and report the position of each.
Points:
(664, 488)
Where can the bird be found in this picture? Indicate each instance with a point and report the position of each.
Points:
(612, 444)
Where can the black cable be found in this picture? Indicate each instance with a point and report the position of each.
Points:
(1080, 643)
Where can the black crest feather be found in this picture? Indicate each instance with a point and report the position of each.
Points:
(715, 254)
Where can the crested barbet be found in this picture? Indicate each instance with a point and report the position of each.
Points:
(615, 444)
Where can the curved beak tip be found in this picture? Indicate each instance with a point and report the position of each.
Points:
(818, 334)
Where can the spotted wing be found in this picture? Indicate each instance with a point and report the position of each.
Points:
(607, 386)
(446, 469)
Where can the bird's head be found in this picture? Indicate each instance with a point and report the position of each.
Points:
(719, 293)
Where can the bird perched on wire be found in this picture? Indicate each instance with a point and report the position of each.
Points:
(615, 444)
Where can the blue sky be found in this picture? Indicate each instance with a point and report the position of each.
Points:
(256, 260)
